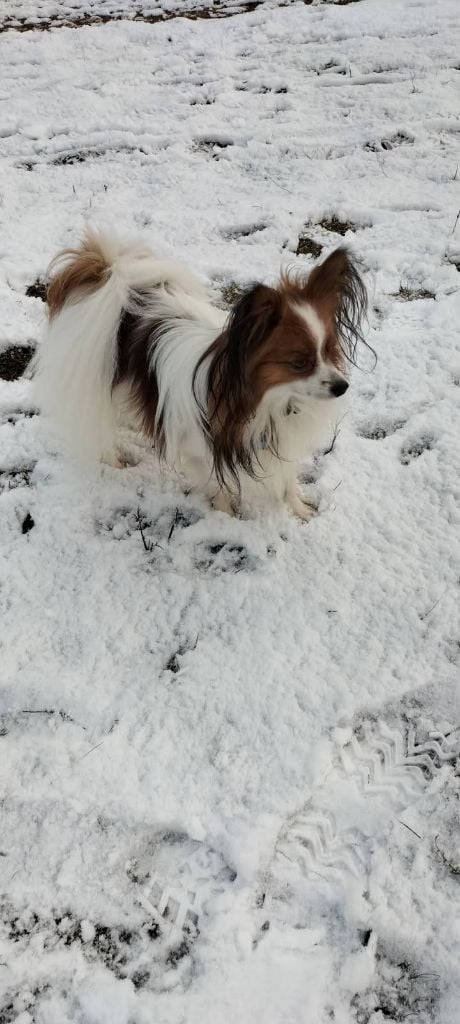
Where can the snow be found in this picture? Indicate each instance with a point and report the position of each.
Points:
(52, 13)
(229, 757)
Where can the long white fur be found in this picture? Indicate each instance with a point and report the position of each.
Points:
(77, 362)
(77, 358)
(75, 369)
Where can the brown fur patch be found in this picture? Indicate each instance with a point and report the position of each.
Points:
(230, 386)
(136, 338)
(76, 271)
(288, 353)
(336, 291)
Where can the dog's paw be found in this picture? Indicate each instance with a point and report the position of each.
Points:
(223, 502)
(303, 511)
(299, 507)
(113, 459)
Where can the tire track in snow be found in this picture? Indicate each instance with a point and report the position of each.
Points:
(384, 762)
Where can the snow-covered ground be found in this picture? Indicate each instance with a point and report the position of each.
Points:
(52, 13)
(229, 749)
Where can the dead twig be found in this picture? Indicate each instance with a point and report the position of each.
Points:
(51, 711)
(414, 833)
(173, 524)
(91, 750)
(278, 185)
(38, 711)
(433, 606)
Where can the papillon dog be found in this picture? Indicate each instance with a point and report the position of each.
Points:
(233, 401)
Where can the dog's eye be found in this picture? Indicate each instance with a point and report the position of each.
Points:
(300, 363)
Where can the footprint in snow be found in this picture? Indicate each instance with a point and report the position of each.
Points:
(224, 557)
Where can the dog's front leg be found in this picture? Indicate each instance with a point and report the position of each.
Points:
(202, 479)
(295, 502)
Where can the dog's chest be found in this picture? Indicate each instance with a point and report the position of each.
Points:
(295, 432)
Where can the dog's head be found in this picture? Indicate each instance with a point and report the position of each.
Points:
(293, 341)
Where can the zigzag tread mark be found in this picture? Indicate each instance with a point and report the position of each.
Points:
(445, 751)
(387, 761)
(312, 842)
(177, 908)
(391, 761)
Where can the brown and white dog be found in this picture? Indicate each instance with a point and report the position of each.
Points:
(232, 401)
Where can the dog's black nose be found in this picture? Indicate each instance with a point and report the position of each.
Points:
(339, 388)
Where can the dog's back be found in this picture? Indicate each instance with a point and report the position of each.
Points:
(105, 299)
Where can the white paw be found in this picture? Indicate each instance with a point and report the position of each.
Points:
(302, 510)
(298, 506)
(223, 502)
(112, 459)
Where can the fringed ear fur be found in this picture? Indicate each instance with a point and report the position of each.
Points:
(230, 396)
(337, 284)
(251, 321)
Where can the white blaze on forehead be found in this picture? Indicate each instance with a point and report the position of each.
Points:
(314, 323)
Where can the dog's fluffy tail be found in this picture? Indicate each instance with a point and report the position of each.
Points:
(77, 361)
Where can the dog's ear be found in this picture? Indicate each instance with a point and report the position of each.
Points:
(251, 321)
(230, 391)
(337, 286)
